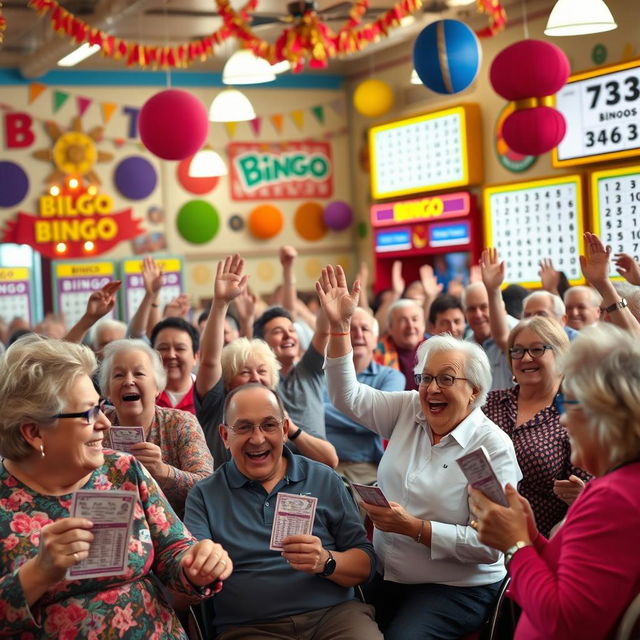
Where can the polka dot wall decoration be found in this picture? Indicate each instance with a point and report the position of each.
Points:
(197, 186)
(14, 184)
(135, 178)
(308, 221)
(236, 222)
(198, 222)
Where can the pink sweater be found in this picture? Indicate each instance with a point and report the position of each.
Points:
(579, 583)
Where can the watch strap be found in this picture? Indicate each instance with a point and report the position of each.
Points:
(295, 435)
(621, 304)
(329, 566)
(511, 551)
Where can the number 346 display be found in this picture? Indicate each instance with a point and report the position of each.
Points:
(602, 111)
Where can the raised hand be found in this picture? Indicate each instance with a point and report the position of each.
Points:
(627, 267)
(229, 282)
(492, 269)
(102, 302)
(397, 281)
(288, 255)
(151, 275)
(429, 282)
(245, 304)
(455, 287)
(178, 307)
(336, 301)
(595, 261)
(549, 277)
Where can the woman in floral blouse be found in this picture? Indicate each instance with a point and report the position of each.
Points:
(175, 452)
(51, 432)
(528, 413)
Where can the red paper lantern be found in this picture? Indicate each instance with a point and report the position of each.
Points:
(529, 72)
(173, 124)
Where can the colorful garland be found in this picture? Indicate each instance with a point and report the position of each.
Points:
(497, 17)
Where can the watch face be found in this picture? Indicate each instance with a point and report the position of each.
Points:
(329, 566)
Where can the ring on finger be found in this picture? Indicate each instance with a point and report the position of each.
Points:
(474, 524)
(75, 557)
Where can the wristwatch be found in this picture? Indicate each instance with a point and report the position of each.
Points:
(511, 551)
(329, 566)
(621, 304)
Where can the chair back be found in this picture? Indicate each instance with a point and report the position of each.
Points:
(629, 627)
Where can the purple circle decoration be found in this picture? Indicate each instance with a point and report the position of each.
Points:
(338, 215)
(14, 184)
(135, 178)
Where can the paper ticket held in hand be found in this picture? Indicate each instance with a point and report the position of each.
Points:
(294, 515)
(123, 437)
(477, 469)
(370, 495)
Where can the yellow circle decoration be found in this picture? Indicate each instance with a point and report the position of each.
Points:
(201, 274)
(344, 262)
(373, 98)
(265, 271)
(308, 221)
(265, 221)
(74, 152)
(313, 267)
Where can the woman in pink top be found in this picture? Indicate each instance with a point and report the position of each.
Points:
(579, 583)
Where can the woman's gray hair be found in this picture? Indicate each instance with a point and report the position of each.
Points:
(602, 371)
(35, 374)
(238, 351)
(476, 364)
(127, 344)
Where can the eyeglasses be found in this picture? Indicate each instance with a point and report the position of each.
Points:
(90, 415)
(267, 426)
(517, 353)
(442, 379)
(562, 402)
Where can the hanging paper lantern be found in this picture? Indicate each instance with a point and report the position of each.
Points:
(265, 221)
(373, 98)
(447, 56)
(528, 73)
(338, 215)
(173, 124)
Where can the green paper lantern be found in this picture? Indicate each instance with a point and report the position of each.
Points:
(198, 222)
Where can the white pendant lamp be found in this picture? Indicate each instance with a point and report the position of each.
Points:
(244, 67)
(231, 106)
(415, 78)
(207, 163)
(579, 17)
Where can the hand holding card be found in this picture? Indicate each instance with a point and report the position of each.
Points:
(370, 495)
(477, 469)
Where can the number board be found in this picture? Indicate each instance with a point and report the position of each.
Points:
(133, 284)
(432, 151)
(16, 292)
(602, 112)
(615, 210)
(528, 221)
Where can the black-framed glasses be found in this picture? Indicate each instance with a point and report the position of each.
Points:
(442, 379)
(90, 415)
(267, 426)
(517, 353)
(562, 403)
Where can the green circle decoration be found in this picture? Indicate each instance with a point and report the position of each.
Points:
(198, 221)
(362, 229)
(599, 53)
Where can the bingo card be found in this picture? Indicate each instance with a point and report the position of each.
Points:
(528, 221)
(429, 152)
(615, 210)
(16, 290)
(75, 281)
(133, 284)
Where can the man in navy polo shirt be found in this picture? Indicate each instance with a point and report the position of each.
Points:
(307, 589)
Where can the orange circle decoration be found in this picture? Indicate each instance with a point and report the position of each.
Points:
(265, 221)
(309, 222)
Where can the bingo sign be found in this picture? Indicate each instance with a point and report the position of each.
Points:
(15, 294)
(280, 171)
(133, 283)
(602, 111)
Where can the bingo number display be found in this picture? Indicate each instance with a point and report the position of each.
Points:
(602, 112)
(428, 152)
(528, 221)
(615, 210)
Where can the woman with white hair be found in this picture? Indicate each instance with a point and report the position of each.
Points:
(578, 583)
(174, 450)
(437, 579)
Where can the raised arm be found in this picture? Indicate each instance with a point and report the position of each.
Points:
(313, 447)
(493, 276)
(627, 267)
(397, 286)
(228, 285)
(549, 277)
(149, 306)
(363, 278)
(245, 306)
(99, 304)
(289, 293)
(432, 289)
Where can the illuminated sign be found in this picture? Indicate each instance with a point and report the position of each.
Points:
(396, 240)
(450, 205)
(448, 235)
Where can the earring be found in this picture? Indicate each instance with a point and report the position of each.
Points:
(513, 379)
(42, 450)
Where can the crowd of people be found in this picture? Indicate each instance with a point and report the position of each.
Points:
(307, 401)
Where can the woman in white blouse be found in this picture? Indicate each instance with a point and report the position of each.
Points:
(437, 580)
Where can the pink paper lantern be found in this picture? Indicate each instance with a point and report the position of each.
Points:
(338, 215)
(533, 132)
(173, 124)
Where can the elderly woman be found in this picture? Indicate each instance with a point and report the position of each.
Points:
(51, 433)
(529, 415)
(174, 451)
(578, 583)
(438, 579)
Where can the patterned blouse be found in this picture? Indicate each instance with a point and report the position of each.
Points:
(543, 452)
(128, 606)
(180, 438)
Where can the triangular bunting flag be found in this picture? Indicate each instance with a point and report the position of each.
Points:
(255, 125)
(338, 106)
(59, 98)
(276, 121)
(83, 104)
(35, 89)
(298, 117)
(318, 112)
(108, 108)
(231, 128)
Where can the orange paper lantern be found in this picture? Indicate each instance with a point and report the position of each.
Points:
(308, 221)
(265, 221)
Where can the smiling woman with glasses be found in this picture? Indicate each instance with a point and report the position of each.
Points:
(51, 438)
(529, 413)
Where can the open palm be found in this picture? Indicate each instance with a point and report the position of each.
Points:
(337, 302)
(229, 279)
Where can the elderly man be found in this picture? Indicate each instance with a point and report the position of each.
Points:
(105, 331)
(549, 305)
(583, 307)
(399, 345)
(358, 448)
(305, 590)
